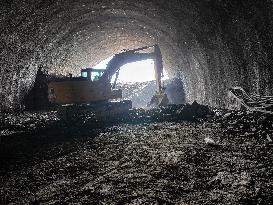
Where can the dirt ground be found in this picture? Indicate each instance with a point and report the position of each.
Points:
(156, 163)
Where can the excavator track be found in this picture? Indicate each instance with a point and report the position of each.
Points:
(102, 111)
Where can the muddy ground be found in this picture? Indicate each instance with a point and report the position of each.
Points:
(219, 160)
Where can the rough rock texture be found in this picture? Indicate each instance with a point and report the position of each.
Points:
(166, 155)
(141, 93)
(158, 163)
(212, 45)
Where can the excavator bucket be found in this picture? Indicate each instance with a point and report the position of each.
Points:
(159, 99)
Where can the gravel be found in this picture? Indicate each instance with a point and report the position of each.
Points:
(164, 159)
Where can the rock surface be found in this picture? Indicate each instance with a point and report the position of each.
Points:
(211, 45)
(172, 155)
(141, 93)
(157, 163)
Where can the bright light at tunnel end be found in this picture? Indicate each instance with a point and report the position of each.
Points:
(140, 71)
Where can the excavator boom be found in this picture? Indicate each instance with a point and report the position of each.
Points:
(130, 56)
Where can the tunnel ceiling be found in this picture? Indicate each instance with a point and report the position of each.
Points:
(211, 45)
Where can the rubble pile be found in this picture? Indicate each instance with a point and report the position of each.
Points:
(155, 163)
(141, 93)
(178, 154)
(233, 122)
(26, 122)
(253, 119)
(171, 113)
(245, 124)
(253, 102)
(29, 122)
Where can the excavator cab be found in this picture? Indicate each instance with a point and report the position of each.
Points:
(92, 74)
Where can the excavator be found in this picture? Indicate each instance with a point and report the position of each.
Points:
(93, 90)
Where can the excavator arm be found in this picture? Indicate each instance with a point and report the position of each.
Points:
(160, 98)
(130, 56)
(121, 59)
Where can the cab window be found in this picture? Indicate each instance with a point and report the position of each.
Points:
(84, 74)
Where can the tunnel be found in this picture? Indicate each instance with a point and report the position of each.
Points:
(212, 47)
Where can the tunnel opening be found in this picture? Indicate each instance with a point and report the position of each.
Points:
(139, 71)
(137, 80)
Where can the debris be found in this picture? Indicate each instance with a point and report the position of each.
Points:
(154, 153)
(141, 93)
(245, 123)
(154, 162)
(253, 102)
(226, 115)
(209, 141)
(268, 138)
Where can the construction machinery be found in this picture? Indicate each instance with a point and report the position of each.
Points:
(94, 91)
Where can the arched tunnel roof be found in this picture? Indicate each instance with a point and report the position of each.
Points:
(211, 45)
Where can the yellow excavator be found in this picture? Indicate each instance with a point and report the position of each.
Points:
(93, 89)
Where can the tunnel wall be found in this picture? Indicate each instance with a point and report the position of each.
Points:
(211, 45)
